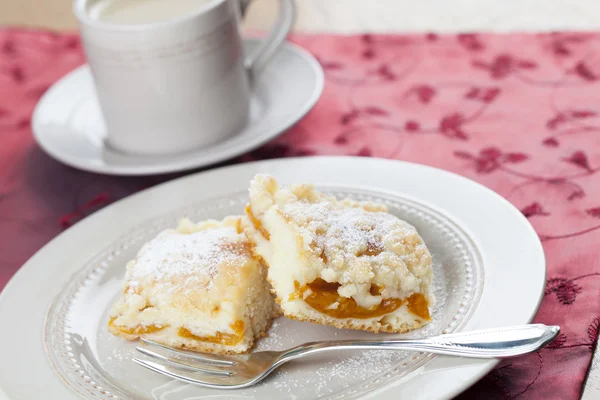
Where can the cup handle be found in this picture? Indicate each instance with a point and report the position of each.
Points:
(259, 57)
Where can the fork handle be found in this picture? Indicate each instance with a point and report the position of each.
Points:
(487, 343)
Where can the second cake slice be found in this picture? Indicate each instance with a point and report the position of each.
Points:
(342, 263)
(198, 287)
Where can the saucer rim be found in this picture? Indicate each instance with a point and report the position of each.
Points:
(188, 161)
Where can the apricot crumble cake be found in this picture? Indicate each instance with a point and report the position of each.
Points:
(198, 287)
(340, 262)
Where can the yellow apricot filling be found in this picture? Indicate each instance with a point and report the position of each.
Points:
(323, 295)
(417, 304)
(256, 223)
(138, 330)
(226, 339)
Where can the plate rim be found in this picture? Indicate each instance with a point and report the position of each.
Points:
(482, 367)
(191, 162)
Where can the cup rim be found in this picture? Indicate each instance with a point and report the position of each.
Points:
(79, 9)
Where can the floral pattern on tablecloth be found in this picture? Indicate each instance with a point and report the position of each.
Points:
(519, 113)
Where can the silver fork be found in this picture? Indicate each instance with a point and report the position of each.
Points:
(238, 371)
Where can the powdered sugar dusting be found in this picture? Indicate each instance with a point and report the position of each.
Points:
(361, 244)
(332, 374)
(196, 255)
(352, 230)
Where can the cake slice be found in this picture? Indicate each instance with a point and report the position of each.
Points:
(198, 287)
(342, 263)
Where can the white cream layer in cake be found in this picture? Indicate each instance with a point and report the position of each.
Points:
(198, 287)
(340, 262)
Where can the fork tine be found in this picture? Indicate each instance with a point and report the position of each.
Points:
(184, 364)
(182, 354)
(181, 375)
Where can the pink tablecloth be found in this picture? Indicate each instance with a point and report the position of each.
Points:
(518, 113)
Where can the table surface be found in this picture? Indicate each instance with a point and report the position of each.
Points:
(348, 16)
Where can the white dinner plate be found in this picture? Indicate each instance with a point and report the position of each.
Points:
(54, 339)
(67, 122)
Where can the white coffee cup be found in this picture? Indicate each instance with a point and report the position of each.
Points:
(170, 83)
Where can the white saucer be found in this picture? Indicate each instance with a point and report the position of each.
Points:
(68, 125)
